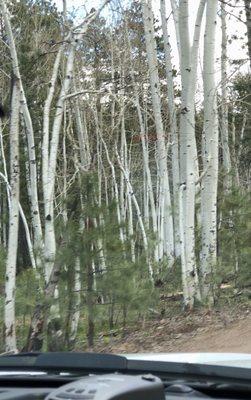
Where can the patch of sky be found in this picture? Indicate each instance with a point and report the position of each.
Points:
(78, 9)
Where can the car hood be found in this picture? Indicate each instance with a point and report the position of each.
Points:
(223, 359)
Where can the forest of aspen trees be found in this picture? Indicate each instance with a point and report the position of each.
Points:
(125, 163)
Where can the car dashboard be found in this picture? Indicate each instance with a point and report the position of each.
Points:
(110, 387)
(90, 376)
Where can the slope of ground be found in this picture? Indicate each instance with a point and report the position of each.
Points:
(217, 331)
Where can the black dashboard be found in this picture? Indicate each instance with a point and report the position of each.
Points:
(90, 376)
(110, 387)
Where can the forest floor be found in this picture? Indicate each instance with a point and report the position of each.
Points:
(226, 329)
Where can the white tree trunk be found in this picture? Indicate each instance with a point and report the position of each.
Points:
(175, 12)
(165, 198)
(125, 163)
(114, 180)
(10, 283)
(8, 190)
(51, 152)
(77, 301)
(83, 140)
(188, 152)
(224, 98)
(143, 133)
(173, 125)
(188, 67)
(210, 158)
(248, 25)
(138, 211)
(35, 213)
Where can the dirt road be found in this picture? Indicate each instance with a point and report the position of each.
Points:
(215, 332)
(234, 338)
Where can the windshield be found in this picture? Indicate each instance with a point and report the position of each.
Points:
(125, 212)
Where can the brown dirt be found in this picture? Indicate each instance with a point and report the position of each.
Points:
(217, 331)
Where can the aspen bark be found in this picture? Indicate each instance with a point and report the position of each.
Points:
(210, 159)
(51, 153)
(35, 213)
(164, 198)
(10, 274)
(248, 24)
(10, 282)
(143, 138)
(173, 125)
(138, 211)
(188, 151)
(74, 317)
(224, 98)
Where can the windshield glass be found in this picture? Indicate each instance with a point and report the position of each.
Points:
(125, 209)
